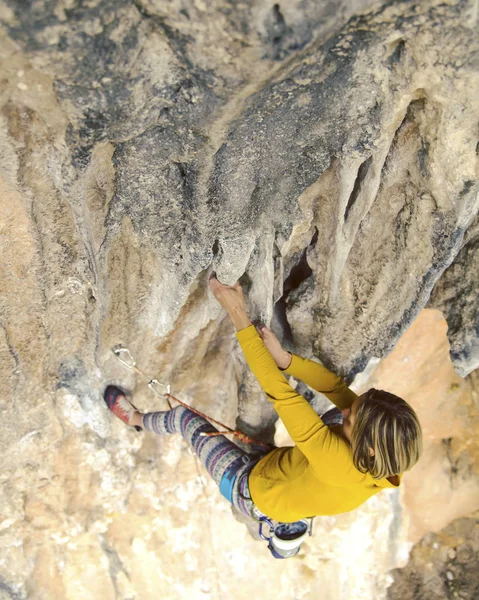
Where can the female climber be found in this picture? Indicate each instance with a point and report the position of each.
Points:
(326, 472)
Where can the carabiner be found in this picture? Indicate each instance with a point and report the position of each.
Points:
(131, 364)
(262, 521)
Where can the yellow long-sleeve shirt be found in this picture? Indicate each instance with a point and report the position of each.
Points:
(317, 475)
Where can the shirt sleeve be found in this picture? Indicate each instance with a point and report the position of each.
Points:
(322, 380)
(328, 454)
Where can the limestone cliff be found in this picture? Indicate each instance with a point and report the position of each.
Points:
(326, 152)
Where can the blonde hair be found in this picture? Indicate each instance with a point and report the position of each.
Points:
(388, 425)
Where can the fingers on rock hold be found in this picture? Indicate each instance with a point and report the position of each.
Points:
(260, 327)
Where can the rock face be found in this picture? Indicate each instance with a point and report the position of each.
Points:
(443, 565)
(328, 159)
(455, 295)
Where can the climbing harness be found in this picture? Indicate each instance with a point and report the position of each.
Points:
(285, 539)
(126, 359)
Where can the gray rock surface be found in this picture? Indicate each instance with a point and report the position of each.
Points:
(456, 296)
(174, 156)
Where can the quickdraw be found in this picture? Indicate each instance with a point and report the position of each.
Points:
(129, 362)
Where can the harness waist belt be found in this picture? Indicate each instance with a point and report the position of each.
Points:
(227, 482)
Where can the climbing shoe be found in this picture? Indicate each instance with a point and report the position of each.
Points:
(116, 401)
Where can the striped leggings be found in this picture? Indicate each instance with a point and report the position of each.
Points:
(217, 453)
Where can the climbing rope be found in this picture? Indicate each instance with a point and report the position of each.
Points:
(126, 359)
